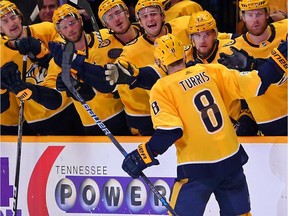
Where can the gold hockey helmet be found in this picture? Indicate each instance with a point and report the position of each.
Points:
(8, 7)
(201, 21)
(106, 5)
(63, 11)
(148, 3)
(253, 4)
(167, 50)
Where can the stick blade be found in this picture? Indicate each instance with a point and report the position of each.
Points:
(66, 63)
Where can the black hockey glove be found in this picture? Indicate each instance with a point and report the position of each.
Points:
(56, 50)
(84, 90)
(11, 80)
(32, 47)
(138, 160)
(239, 60)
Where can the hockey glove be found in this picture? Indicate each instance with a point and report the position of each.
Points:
(122, 73)
(138, 160)
(84, 90)
(11, 80)
(247, 124)
(32, 47)
(56, 50)
(239, 60)
(91, 74)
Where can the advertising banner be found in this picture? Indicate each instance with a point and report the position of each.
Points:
(83, 176)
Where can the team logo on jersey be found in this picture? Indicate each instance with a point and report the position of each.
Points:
(231, 42)
(36, 73)
(104, 43)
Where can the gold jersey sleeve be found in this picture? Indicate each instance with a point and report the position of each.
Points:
(182, 8)
(44, 31)
(196, 100)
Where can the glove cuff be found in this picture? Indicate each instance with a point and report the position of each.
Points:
(25, 94)
(279, 59)
(43, 51)
(146, 154)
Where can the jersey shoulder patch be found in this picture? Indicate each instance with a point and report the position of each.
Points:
(231, 42)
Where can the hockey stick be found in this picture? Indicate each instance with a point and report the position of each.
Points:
(85, 5)
(66, 78)
(19, 142)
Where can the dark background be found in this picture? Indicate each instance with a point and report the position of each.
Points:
(224, 11)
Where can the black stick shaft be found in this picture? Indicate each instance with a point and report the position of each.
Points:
(66, 67)
(19, 142)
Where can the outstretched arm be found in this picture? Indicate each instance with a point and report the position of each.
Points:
(11, 80)
(126, 73)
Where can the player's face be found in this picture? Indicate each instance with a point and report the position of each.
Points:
(255, 21)
(151, 20)
(117, 19)
(204, 42)
(47, 10)
(11, 25)
(71, 28)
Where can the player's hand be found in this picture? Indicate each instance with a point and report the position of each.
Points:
(239, 60)
(122, 73)
(32, 47)
(138, 160)
(11, 80)
(84, 90)
(56, 50)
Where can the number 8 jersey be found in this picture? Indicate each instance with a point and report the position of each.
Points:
(196, 100)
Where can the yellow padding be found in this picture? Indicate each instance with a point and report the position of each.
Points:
(44, 51)
(246, 214)
(24, 94)
(142, 150)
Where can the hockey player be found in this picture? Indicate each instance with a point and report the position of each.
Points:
(204, 38)
(259, 41)
(189, 108)
(46, 105)
(205, 48)
(150, 15)
(114, 15)
(109, 109)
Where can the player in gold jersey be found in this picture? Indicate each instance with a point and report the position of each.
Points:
(119, 31)
(43, 105)
(258, 42)
(109, 109)
(205, 48)
(189, 108)
(151, 16)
